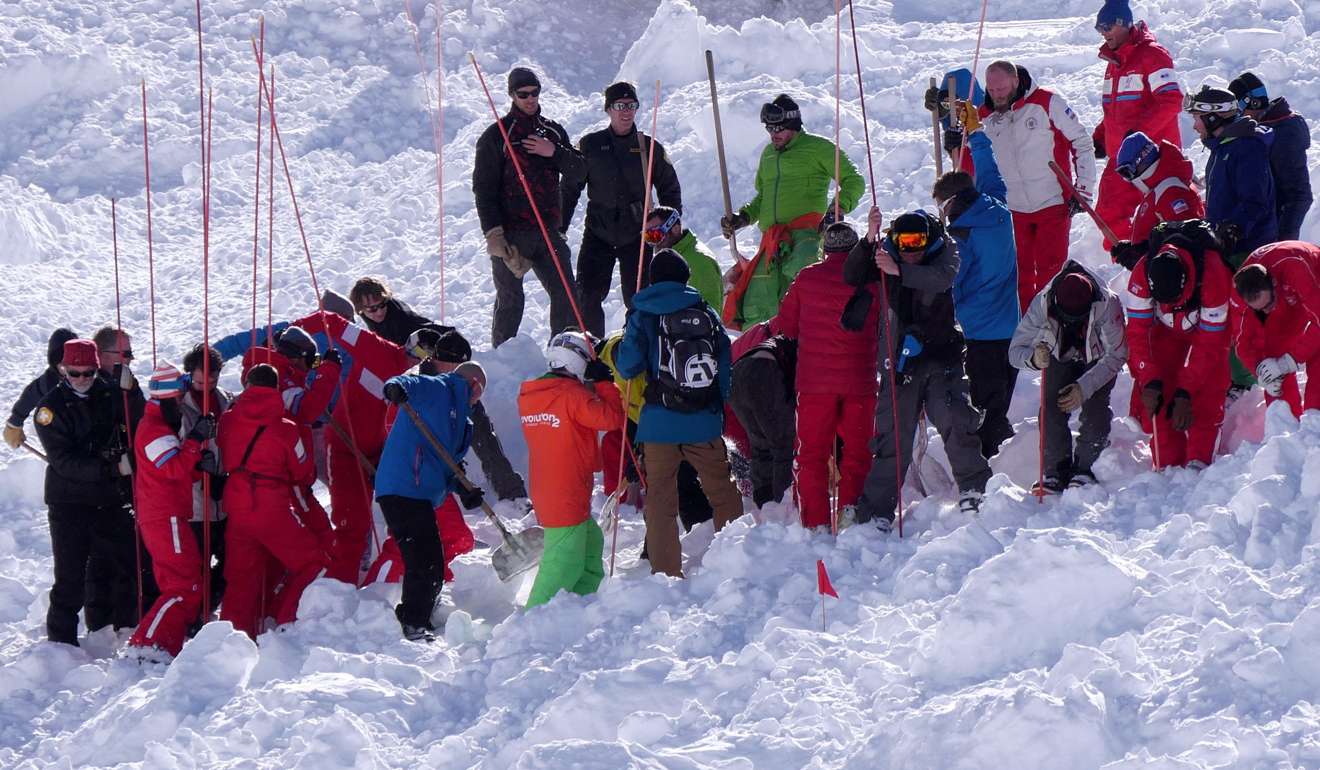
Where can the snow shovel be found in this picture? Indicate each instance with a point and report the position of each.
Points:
(520, 552)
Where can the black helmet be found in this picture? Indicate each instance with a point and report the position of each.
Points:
(1216, 106)
(294, 343)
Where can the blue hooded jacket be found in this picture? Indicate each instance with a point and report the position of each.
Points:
(409, 467)
(962, 78)
(639, 351)
(985, 291)
(1292, 178)
(1239, 187)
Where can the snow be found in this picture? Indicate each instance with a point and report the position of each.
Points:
(1156, 621)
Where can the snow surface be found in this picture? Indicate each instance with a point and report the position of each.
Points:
(1157, 621)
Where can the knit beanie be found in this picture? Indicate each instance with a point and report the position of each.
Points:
(1073, 295)
(619, 92)
(166, 382)
(1166, 275)
(839, 236)
(669, 265)
(1113, 12)
(337, 303)
(783, 113)
(521, 77)
(1250, 92)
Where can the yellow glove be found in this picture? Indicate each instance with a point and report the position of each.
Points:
(14, 436)
(971, 119)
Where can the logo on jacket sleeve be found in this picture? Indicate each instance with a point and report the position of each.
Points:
(44, 416)
(1179, 206)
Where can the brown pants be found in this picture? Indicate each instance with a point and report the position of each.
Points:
(711, 461)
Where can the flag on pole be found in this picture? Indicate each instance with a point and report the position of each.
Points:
(823, 585)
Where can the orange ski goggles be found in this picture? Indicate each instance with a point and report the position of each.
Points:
(911, 241)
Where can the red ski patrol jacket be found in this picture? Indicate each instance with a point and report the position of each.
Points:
(264, 455)
(1293, 325)
(166, 468)
(1170, 196)
(1140, 93)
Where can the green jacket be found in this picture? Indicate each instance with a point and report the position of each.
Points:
(706, 277)
(797, 180)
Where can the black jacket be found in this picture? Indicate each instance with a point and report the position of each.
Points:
(83, 437)
(615, 180)
(500, 198)
(46, 381)
(400, 321)
(920, 296)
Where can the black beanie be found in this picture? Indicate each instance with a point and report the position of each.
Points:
(521, 77)
(620, 91)
(1249, 89)
(669, 265)
(839, 236)
(452, 347)
(785, 103)
(1167, 276)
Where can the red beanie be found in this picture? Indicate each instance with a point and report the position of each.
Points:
(79, 353)
(1073, 294)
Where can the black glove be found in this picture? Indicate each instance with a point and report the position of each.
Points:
(1100, 153)
(333, 356)
(597, 371)
(394, 393)
(470, 498)
(208, 463)
(1229, 234)
(952, 140)
(1127, 253)
(728, 224)
(1074, 207)
(203, 429)
(937, 99)
(856, 311)
(1180, 410)
(218, 486)
(1152, 397)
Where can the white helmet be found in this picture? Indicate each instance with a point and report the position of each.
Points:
(569, 352)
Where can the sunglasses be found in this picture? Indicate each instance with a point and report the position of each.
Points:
(531, 93)
(376, 308)
(1191, 104)
(79, 374)
(624, 106)
(910, 241)
(657, 233)
(1104, 28)
(127, 355)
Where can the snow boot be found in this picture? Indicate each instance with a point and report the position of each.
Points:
(884, 523)
(421, 634)
(1081, 479)
(847, 517)
(1052, 484)
(970, 502)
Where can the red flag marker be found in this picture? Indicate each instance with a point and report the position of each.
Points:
(823, 584)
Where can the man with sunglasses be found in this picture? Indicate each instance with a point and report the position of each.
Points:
(1163, 176)
(916, 263)
(1292, 138)
(791, 207)
(1141, 93)
(509, 218)
(89, 492)
(664, 230)
(615, 181)
(1239, 188)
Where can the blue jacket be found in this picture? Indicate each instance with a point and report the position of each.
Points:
(1292, 177)
(985, 290)
(1239, 185)
(235, 345)
(409, 467)
(639, 352)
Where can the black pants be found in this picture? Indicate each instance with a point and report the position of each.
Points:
(509, 296)
(412, 525)
(991, 380)
(506, 481)
(217, 560)
(766, 410)
(1063, 458)
(95, 564)
(595, 270)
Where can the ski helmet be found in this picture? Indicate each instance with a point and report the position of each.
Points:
(1215, 106)
(1167, 275)
(294, 343)
(1250, 92)
(569, 353)
(1136, 156)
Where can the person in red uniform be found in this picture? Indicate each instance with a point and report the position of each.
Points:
(835, 382)
(1276, 320)
(266, 459)
(166, 470)
(1140, 93)
(1178, 340)
(1163, 176)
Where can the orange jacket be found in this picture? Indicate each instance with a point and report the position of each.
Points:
(560, 420)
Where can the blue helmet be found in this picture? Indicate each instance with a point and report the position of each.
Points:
(1135, 155)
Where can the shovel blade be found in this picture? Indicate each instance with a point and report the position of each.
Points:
(520, 552)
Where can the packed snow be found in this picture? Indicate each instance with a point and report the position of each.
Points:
(1155, 621)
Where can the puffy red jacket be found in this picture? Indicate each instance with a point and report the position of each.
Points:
(1199, 317)
(279, 460)
(1168, 191)
(304, 404)
(165, 468)
(1293, 325)
(1140, 92)
(831, 359)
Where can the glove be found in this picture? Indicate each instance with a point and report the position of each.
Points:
(218, 486)
(14, 436)
(1099, 145)
(394, 393)
(1152, 397)
(1040, 356)
(730, 224)
(1273, 370)
(1229, 234)
(422, 343)
(1127, 253)
(936, 99)
(1274, 388)
(208, 463)
(970, 118)
(1180, 410)
(124, 467)
(1074, 207)
(952, 139)
(471, 498)
(1070, 398)
(597, 371)
(203, 429)
(125, 376)
(333, 356)
(856, 311)
(498, 246)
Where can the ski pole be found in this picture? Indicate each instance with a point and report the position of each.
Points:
(1040, 420)
(1071, 189)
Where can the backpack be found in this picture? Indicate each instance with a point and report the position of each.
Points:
(687, 377)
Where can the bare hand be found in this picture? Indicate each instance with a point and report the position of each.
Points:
(873, 221)
(885, 261)
(539, 145)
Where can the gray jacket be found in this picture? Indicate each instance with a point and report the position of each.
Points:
(1106, 342)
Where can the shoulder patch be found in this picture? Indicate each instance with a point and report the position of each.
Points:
(44, 416)
(1179, 206)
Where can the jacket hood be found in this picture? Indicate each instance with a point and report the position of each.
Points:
(666, 297)
(260, 405)
(1141, 35)
(1239, 128)
(1025, 86)
(982, 211)
(1278, 110)
(55, 346)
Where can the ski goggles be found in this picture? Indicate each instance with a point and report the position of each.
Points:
(910, 241)
(774, 117)
(1133, 168)
(624, 106)
(1255, 99)
(1192, 104)
(657, 233)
